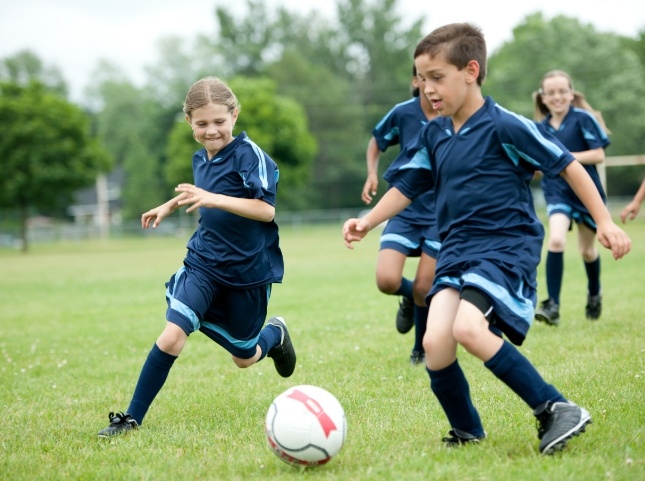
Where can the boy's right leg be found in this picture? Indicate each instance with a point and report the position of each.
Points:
(447, 380)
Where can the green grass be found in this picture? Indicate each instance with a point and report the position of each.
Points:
(77, 321)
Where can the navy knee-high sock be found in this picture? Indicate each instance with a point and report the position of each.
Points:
(517, 372)
(451, 388)
(269, 338)
(420, 320)
(405, 289)
(554, 272)
(152, 378)
(593, 276)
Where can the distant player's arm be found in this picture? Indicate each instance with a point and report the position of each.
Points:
(590, 157)
(609, 234)
(372, 155)
(390, 204)
(631, 210)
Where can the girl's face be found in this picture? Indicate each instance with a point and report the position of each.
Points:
(212, 126)
(557, 94)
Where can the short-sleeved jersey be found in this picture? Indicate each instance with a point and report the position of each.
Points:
(230, 249)
(481, 177)
(400, 125)
(579, 131)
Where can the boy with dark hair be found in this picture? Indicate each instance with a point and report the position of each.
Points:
(480, 158)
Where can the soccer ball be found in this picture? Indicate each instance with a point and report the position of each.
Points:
(306, 426)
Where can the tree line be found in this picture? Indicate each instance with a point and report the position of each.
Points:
(310, 90)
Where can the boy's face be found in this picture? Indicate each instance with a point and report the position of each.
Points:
(213, 126)
(445, 86)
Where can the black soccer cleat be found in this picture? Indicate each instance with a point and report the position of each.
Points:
(457, 437)
(594, 307)
(119, 424)
(548, 312)
(417, 357)
(557, 423)
(283, 355)
(405, 316)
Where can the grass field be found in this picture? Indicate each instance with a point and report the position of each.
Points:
(77, 321)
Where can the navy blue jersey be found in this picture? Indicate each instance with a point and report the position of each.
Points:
(490, 235)
(579, 131)
(230, 249)
(401, 124)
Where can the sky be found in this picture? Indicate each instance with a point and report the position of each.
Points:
(74, 35)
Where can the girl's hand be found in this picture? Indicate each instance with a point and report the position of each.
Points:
(195, 196)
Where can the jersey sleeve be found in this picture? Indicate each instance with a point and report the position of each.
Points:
(592, 131)
(259, 172)
(411, 171)
(528, 141)
(386, 132)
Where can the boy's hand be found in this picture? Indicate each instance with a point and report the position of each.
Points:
(614, 238)
(354, 230)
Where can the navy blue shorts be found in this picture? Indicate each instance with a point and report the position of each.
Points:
(233, 318)
(512, 298)
(575, 215)
(410, 239)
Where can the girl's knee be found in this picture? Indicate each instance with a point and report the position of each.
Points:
(557, 243)
(243, 363)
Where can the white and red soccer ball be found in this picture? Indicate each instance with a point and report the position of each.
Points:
(306, 426)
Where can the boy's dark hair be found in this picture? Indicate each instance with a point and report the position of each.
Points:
(459, 43)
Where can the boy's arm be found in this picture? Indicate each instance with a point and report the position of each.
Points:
(390, 204)
(609, 234)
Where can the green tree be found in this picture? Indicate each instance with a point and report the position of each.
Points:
(25, 67)
(46, 148)
(346, 73)
(276, 123)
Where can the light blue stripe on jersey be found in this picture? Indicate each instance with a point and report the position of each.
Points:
(262, 163)
(420, 160)
(399, 239)
(591, 135)
(512, 151)
(392, 111)
(240, 344)
(521, 307)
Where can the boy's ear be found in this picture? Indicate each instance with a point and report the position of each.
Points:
(472, 71)
(187, 118)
